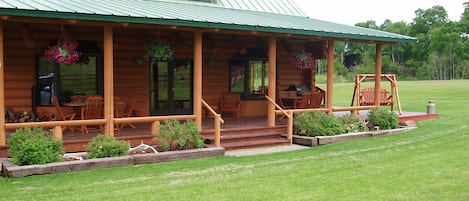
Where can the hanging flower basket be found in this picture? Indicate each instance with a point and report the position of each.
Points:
(158, 52)
(64, 52)
(302, 60)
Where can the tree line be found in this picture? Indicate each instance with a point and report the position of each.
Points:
(440, 53)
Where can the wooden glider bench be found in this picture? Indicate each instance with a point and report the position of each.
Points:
(367, 97)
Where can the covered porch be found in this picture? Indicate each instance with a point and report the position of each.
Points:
(207, 60)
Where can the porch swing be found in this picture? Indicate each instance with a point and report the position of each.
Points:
(363, 97)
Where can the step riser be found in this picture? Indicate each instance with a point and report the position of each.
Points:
(248, 138)
(269, 130)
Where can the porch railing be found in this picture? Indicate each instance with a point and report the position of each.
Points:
(216, 123)
(57, 125)
(154, 120)
(288, 114)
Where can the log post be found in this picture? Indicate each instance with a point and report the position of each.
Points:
(155, 128)
(290, 126)
(272, 79)
(197, 102)
(378, 75)
(217, 130)
(108, 81)
(57, 132)
(330, 75)
(2, 90)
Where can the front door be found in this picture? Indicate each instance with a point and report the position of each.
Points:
(171, 88)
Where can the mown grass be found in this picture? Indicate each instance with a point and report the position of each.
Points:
(429, 163)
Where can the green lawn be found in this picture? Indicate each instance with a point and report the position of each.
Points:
(429, 163)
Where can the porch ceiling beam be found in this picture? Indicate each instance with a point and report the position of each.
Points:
(27, 36)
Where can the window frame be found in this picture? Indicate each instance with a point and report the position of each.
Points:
(246, 93)
(99, 84)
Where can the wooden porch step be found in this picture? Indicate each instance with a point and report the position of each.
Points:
(248, 137)
(244, 136)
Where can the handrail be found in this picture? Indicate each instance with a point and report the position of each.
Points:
(289, 115)
(216, 123)
(212, 111)
(277, 106)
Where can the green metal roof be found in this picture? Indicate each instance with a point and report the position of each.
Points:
(192, 15)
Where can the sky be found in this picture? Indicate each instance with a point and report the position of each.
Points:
(351, 12)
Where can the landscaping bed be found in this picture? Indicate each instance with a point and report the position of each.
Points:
(322, 140)
(10, 170)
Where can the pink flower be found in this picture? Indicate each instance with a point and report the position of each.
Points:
(302, 60)
(63, 53)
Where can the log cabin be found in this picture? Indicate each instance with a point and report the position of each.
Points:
(220, 47)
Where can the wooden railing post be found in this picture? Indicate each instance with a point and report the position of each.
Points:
(57, 132)
(217, 130)
(290, 126)
(155, 128)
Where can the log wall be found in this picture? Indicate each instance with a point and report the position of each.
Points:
(23, 42)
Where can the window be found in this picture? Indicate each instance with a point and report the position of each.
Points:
(65, 80)
(249, 77)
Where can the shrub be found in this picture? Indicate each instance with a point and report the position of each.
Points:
(352, 124)
(34, 146)
(317, 124)
(174, 135)
(106, 146)
(383, 118)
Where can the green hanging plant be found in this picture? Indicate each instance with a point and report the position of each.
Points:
(158, 52)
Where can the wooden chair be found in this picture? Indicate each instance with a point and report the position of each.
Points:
(78, 98)
(288, 99)
(367, 97)
(311, 100)
(60, 116)
(231, 103)
(93, 110)
(129, 109)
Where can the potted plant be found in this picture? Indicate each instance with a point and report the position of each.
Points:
(158, 52)
(302, 60)
(64, 52)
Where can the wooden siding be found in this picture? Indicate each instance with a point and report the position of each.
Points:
(130, 78)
